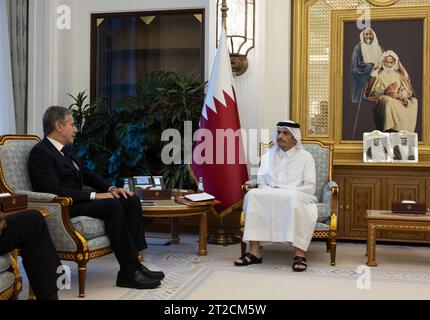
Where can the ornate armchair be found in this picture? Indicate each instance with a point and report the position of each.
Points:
(10, 277)
(79, 239)
(326, 192)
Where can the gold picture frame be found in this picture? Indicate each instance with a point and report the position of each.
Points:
(325, 110)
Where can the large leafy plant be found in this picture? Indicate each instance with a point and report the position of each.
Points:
(125, 140)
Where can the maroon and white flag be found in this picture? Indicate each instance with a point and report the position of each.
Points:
(218, 155)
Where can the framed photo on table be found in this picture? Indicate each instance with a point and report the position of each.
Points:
(376, 147)
(404, 147)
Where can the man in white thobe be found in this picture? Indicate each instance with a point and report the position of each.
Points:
(403, 151)
(377, 152)
(282, 209)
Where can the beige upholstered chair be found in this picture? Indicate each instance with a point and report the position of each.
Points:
(79, 239)
(10, 277)
(326, 192)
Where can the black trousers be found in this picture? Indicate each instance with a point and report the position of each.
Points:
(28, 232)
(123, 223)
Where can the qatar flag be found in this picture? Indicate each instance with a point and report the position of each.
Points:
(218, 154)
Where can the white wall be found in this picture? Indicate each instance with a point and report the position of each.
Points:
(60, 59)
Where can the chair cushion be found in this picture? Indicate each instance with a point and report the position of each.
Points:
(321, 227)
(323, 210)
(4, 262)
(7, 279)
(89, 227)
(98, 243)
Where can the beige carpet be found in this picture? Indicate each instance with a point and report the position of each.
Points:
(321, 283)
(403, 273)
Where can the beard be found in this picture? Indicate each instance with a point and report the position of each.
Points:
(389, 69)
(368, 41)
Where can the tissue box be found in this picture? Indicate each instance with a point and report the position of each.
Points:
(13, 202)
(412, 208)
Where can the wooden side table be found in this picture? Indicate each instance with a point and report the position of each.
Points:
(174, 211)
(387, 220)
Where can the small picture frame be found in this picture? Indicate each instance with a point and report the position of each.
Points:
(376, 147)
(404, 146)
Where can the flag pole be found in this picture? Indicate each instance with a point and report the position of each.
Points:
(224, 9)
(222, 237)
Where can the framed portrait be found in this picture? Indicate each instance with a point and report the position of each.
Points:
(361, 66)
(376, 147)
(404, 147)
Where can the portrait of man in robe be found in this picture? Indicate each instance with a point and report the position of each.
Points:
(376, 147)
(405, 147)
(362, 61)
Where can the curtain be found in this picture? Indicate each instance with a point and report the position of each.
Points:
(7, 123)
(18, 20)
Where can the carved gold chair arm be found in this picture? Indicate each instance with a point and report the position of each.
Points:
(334, 204)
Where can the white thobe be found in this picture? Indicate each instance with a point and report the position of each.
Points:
(397, 116)
(287, 213)
(404, 151)
(378, 153)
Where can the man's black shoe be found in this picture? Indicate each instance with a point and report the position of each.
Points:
(137, 281)
(158, 275)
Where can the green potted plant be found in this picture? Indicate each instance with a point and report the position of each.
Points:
(125, 140)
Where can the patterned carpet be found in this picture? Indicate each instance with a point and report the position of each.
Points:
(191, 278)
(403, 273)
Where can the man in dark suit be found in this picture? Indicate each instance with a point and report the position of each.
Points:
(28, 232)
(55, 169)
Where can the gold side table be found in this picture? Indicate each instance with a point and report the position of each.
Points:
(174, 211)
(387, 220)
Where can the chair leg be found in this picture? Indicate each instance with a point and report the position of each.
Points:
(82, 270)
(327, 243)
(333, 251)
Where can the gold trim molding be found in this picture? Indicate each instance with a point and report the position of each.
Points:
(382, 3)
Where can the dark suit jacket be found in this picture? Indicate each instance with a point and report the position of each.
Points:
(50, 172)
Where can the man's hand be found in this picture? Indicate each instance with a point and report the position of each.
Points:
(3, 223)
(106, 195)
(404, 101)
(116, 192)
(391, 89)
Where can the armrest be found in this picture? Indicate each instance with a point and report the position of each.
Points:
(37, 196)
(329, 196)
(329, 189)
(60, 227)
(249, 185)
